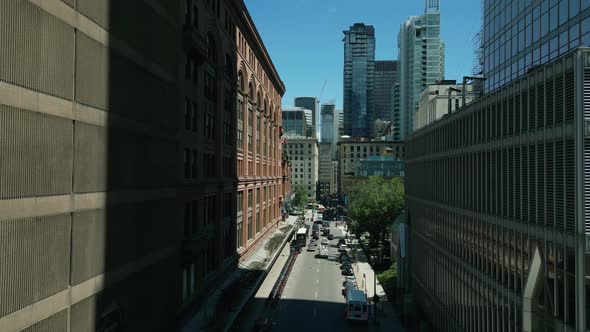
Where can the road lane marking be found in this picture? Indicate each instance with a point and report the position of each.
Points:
(317, 282)
(316, 294)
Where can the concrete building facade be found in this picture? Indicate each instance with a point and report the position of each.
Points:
(303, 153)
(327, 175)
(359, 71)
(118, 137)
(434, 101)
(353, 150)
(497, 204)
(421, 62)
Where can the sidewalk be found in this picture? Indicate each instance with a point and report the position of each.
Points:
(386, 316)
(216, 317)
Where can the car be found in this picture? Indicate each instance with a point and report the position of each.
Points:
(341, 241)
(326, 242)
(311, 248)
(323, 253)
(348, 279)
(330, 237)
(342, 248)
(326, 231)
(315, 236)
(345, 266)
(347, 272)
(348, 285)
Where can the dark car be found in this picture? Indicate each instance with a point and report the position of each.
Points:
(330, 237)
(341, 241)
(315, 236)
(347, 272)
(345, 266)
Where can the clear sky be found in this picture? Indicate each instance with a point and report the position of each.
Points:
(304, 37)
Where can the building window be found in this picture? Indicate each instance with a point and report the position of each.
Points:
(188, 113)
(249, 199)
(240, 202)
(195, 17)
(227, 118)
(188, 67)
(239, 230)
(249, 227)
(250, 126)
(209, 165)
(194, 164)
(240, 133)
(187, 163)
(209, 123)
(195, 117)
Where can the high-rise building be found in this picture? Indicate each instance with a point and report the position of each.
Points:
(421, 62)
(310, 103)
(518, 35)
(303, 154)
(329, 122)
(498, 206)
(297, 121)
(359, 71)
(118, 159)
(385, 78)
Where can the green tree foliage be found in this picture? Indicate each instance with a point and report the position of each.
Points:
(300, 197)
(374, 204)
(388, 278)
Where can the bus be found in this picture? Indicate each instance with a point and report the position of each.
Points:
(357, 306)
(301, 236)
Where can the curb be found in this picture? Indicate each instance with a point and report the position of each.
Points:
(253, 291)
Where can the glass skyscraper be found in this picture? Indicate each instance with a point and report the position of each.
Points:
(520, 34)
(359, 70)
(421, 62)
(310, 103)
(385, 78)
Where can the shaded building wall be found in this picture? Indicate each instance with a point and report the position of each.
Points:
(491, 186)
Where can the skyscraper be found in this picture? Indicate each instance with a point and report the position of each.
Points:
(518, 36)
(421, 61)
(297, 121)
(328, 117)
(359, 71)
(385, 78)
(310, 103)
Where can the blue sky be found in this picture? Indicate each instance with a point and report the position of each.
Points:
(304, 37)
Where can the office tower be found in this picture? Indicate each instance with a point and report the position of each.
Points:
(310, 103)
(359, 71)
(117, 160)
(518, 36)
(421, 61)
(385, 78)
(297, 121)
(499, 226)
(329, 118)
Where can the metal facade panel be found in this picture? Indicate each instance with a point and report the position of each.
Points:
(96, 10)
(53, 323)
(92, 72)
(36, 152)
(34, 260)
(90, 173)
(36, 49)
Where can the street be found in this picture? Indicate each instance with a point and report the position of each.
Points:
(312, 299)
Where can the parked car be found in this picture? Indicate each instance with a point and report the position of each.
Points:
(330, 237)
(348, 279)
(341, 241)
(315, 236)
(348, 285)
(342, 248)
(311, 247)
(347, 272)
(345, 265)
(326, 242)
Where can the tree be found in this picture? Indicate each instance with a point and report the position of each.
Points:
(300, 198)
(374, 204)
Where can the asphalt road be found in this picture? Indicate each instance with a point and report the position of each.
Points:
(312, 299)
